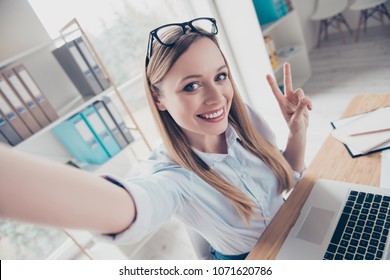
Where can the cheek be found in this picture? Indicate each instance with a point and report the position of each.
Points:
(228, 90)
(181, 109)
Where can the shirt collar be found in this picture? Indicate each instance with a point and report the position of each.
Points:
(231, 136)
(160, 158)
(209, 158)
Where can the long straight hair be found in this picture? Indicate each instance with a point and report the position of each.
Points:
(177, 144)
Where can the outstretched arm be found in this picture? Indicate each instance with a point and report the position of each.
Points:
(294, 106)
(43, 192)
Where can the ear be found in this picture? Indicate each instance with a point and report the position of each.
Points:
(160, 105)
(157, 98)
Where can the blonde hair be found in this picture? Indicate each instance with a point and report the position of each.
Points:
(178, 145)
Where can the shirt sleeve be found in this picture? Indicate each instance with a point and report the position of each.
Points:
(157, 198)
(264, 129)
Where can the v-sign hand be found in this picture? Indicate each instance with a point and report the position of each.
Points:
(294, 104)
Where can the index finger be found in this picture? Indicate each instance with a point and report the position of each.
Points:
(288, 86)
(275, 89)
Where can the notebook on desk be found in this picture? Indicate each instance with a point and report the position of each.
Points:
(341, 220)
(366, 143)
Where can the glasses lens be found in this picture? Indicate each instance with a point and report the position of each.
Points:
(204, 26)
(165, 33)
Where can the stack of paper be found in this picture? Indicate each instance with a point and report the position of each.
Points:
(365, 132)
(385, 167)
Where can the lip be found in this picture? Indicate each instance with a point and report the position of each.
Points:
(217, 119)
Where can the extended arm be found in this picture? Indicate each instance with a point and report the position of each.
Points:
(43, 192)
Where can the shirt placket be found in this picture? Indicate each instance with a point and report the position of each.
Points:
(251, 188)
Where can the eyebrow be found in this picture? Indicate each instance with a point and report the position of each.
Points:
(199, 76)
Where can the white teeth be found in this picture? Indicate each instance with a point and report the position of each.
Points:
(212, 116)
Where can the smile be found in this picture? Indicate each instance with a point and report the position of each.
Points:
(212, 115)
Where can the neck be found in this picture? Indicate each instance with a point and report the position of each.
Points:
(210, 144)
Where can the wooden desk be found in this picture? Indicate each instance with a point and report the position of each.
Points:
(331, 162)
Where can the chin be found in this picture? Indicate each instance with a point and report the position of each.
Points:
(217, 130)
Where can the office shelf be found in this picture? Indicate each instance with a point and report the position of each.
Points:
(267, 28)
(4, 63)
(285, 33)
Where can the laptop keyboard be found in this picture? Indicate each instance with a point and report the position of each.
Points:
(363, 228)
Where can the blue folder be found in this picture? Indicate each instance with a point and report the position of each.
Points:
(101, 131)
(80, 141)
(269, 10)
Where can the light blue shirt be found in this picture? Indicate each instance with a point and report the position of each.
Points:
(170, 190)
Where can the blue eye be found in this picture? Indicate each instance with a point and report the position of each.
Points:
(221, 77)
(191, 87)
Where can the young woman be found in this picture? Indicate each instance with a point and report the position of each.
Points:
(218, 170)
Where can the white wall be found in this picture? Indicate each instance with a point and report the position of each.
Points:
(16, 16)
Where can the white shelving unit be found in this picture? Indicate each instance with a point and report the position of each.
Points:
(24, 54)
(287, 33)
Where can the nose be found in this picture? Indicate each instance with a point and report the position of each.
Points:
(213, 95)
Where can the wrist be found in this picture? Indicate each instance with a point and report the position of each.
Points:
(298, 133)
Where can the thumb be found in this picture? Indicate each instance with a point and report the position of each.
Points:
(301, 106)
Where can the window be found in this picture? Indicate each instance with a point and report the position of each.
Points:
(118, 29)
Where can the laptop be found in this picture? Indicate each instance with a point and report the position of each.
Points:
(341, 220)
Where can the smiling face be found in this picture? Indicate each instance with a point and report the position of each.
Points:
(197, 93)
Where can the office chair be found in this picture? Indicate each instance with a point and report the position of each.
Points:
(329, 13)
(368, 9)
